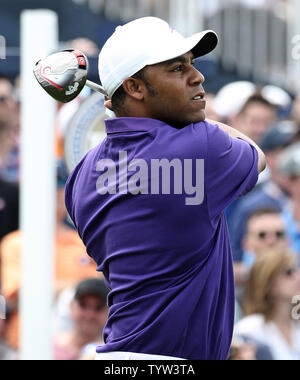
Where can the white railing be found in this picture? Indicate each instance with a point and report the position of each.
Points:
(127, 9)
(257, 37)
(260, 42)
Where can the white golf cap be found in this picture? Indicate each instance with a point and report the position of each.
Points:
(146, 41)
(232, 97)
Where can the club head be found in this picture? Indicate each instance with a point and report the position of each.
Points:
(63, 75)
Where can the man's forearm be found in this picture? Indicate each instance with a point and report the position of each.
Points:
(235, 133)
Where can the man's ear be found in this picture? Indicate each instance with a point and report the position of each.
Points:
(134, 87)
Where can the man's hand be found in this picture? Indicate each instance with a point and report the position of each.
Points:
(108, 103)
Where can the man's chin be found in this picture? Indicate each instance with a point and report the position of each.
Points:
(201, 117)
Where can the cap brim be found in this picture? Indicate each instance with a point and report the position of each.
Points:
(199, 44)
(203, 43)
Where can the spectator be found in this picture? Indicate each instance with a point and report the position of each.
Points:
(6, 352)
(89, 313)
(9, 208)
(290, 167)
(241, 350)
(87, 46)
(250, 109)
(9, 193)
(273, 144)
(265, 229)
(10, 111)
(7, 102)
(273, 193)
(6, 138)
(248, 349)
(274, 281)
(255, 118)
(71, 261)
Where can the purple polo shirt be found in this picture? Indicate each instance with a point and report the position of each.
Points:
(164, 249)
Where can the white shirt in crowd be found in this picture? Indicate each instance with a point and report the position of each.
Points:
(255, 327)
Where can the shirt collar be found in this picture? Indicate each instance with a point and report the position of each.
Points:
(131, 124)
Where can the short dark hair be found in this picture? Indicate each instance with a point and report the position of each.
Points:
(257, 98)
(119, 96)
(92, 286)
(118, 99)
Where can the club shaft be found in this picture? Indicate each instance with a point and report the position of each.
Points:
(96, 87)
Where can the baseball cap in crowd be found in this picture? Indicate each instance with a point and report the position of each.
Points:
(94, 286)
(143, 42)
(290, 161)
(279, 136)
(231, 98)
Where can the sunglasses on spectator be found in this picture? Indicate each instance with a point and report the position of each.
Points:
(278, 234)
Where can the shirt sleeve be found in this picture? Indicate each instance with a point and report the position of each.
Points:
(68, 202)
(69, 191)
(231, 170)
(69, 196)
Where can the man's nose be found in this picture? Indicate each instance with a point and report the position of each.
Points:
(271, 241)
(196, 77)
(90, 313)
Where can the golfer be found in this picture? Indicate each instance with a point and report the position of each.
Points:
(149, 201)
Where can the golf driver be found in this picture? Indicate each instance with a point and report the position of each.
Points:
(64, 74)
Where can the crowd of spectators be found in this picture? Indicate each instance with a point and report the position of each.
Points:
(264, 228)
(265, 224)
(80, 309)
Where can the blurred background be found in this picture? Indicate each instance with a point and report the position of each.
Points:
(252, 83)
